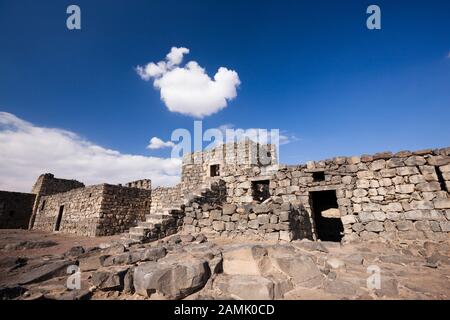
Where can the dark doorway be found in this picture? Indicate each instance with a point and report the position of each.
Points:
(260, 190)
(327, 228)
(59, 218)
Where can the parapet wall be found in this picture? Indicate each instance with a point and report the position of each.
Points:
(15, 209)
(141, 184)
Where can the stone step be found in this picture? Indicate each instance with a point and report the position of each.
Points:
(147, 224)
(139, 230)
(136, 237)
(158, 216)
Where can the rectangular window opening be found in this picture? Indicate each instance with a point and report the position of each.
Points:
(318, 176)
(214, 170)
(260, 190)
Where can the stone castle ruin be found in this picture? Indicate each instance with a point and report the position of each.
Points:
(239, 189)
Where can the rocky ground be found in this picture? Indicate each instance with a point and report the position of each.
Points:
(33, 265)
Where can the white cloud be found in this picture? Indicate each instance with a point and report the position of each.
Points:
(26, 151)
(188, 89)
(157, 143)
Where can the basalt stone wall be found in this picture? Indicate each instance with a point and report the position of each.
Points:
(80, 211)
(47, 184)
(402, 196)
(141, 184)
(241, 160)
(210, 214)
(122, 208)
(15, 209)
(93, 211)
(165, 197)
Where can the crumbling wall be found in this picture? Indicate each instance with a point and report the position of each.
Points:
(15, 209)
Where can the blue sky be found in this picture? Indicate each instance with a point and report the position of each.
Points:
(310, 68)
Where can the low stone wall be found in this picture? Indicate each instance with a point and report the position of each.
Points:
(390, 196)
(15, 209)
(94, 211)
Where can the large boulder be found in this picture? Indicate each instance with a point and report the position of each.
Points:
(171, 278)
(111, 278)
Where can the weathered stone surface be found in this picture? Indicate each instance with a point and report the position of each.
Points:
(442, 203)
(415, 161)
(331, 213)
(438, 160)
(375, 226)
(170, 279)
(341, 287)
(111, 278)
(229, 208)
(445, 226)
(349, 219)
(335, 263)
(42, 272)
(247, 287)
(245, 259)
(92, 262)
(299, 268)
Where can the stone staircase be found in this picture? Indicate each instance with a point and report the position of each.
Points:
(156, 225)
(167, 221)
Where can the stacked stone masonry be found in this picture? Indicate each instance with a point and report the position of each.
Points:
(93, 211)
(15, 209)
(402, 196)
(240, 189)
